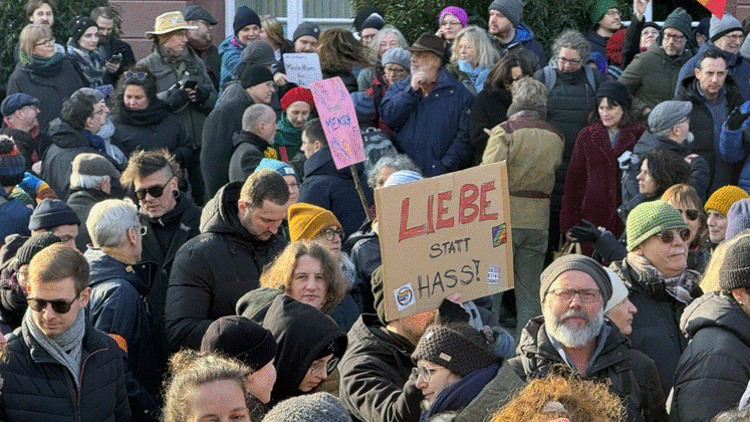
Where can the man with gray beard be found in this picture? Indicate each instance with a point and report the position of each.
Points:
(572, 337)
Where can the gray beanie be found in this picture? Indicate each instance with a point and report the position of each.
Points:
(735, 270)
(680, 20)
(511, 9)
(576, 262)
(399, 56)
(306, 28)
(738, 218)
(666, 114)
(720, 27)
(317, 407)
(258, 52)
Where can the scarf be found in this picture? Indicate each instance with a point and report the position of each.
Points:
(96, 141)
(90, 62)
(65, 348)
(681, 287)
(152, 115)
(288, 139)
(46, 67)
(170, 56)
(460, 394)
(237, 43)
(477, 75)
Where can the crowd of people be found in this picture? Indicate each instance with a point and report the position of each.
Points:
(179, 245)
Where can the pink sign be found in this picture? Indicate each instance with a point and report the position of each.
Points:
(336, 112)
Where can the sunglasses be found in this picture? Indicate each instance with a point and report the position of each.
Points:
(331, 233)
(667, 236)
(154, 191)
(691, 214)
(60, 306)
(138, 76)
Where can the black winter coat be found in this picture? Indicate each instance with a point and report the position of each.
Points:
(376, 382)
(717, 359)
(629, 373)
(38, 388)
(489, 109)
(213, 270)
(249, 150)
(365, 256)
(81, 201)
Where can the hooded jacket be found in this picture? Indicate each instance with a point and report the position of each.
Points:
(737, 67)
(523, 44)
(629, 373)
(334, 190)
(213, 270)
(81, 200)
(303, 334)
(716, 359)
(249, 150)
(376, 381)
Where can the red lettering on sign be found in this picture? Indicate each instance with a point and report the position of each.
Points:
(469, 194)
(486, 187)
(443, 196)
(405, 233)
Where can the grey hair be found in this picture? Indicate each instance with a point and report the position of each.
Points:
(487, 55)
(529, 94)
(86, 181)
(388, 29)
(253, 115)
(574, 40)
(664, 133)
(109, 221)
(397, 161)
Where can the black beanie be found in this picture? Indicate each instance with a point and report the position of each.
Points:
(243, 17)
(32, 246)
(616, 91)
(362, 15)
(78, 26)
(12, 163)
(254, 75)
(238, 337)
(735, 270)
(52, 213)
(376, 284)
(454, 348)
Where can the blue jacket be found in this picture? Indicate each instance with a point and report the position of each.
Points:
(737, 66)
(434, 130)
(14, 217)
(734, 147)
(334, 190)
(230, 58)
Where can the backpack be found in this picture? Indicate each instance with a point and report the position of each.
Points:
(550, 77)
(377, 144)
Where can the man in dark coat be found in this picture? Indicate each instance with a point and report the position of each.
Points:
(605, 15)
(253, 143)
(170, 218)
(327, 187)
(573, 335)
(110, 45)
(58, 366)
(255, 86)
(117, 306)
(509, 35)
(199, 40)
(212, 271)
(20, 112)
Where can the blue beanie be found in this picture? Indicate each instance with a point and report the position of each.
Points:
(243, 17)
(401, 177)
(280, 167)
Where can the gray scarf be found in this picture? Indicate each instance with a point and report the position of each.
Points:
(65, 348)
(679, 287)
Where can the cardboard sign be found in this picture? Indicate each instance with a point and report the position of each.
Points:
(302, 68)
(445, 235)
(336, 112)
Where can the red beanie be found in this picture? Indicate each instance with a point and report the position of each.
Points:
(298, 94)
(614, 47)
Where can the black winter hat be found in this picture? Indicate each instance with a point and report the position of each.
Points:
(735, 270)
(243, 17)
(52, 213)
(362, 15)
(79, 25)
(32, 246)
(254, 75)
(12, 163)
(240, 338)
(455, 347)
(306, 28)
(616, 91)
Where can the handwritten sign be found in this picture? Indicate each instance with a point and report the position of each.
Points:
(302, 68)
(444, 235)
(336, 112)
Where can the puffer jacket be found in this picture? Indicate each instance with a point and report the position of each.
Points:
(629, 373)
(213, 270)
(376, 382)
(716, 359)
(434, 130)
(38, 388)
(249, 150)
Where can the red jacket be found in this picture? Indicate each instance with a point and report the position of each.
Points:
(592, 186)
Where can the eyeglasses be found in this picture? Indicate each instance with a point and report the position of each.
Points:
(142, 229)
(423, 371)
(738, 37)
(586, 295)
(60, 306)
(678, 37)
(451, 23)
(46, 41)
(564, 60)
(154, 191)
(138, 76)
(398, 70)
(316, 367)
(331, 233)
(667, 236)
(613, 12)
(691, 214)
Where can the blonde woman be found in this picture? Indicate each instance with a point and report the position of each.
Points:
(472, 58)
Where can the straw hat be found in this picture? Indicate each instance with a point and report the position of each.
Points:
(168, 22)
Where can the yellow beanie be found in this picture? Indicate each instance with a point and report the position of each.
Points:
(306, 221)
(723, 198)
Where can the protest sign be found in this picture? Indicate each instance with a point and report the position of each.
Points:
(444, 235)
(302, 68)
(336, 112)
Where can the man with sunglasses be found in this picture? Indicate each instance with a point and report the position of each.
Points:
(660, 284)
(117, 306)
(573, 336)
(57, 362)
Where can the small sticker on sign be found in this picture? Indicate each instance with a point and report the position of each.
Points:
(404, 297)
(499, 235)
(493, 275)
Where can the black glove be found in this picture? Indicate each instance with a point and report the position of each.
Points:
(202, 93)
(177, 97)
(589, 233)
(450, 312)
(736, 117)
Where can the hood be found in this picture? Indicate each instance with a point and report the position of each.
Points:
(372, 330)
(321, 164)
(105, 268)
(714, 309)
(688, 89)
(64, 136)
(184, 202)
(233, 92)
(365, 231)
(302, 334)
(251, 138)
(226, 45)
(523, 33)
(255, 303)
(220, 212)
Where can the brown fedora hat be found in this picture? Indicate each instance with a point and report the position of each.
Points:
(430, 43)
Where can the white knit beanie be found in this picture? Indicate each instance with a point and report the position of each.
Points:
(619, 291)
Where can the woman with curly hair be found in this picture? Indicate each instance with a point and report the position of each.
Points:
(340, 53)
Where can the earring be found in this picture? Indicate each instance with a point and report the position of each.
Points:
(741, 303)
(176, 193)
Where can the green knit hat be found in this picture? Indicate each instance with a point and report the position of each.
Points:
(600, 7)
(723, 198)
(650, 218)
